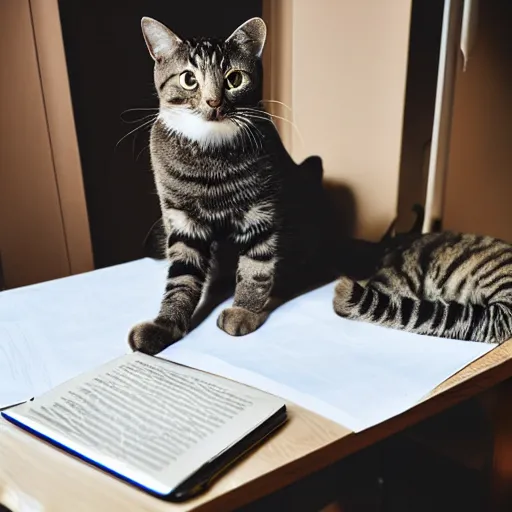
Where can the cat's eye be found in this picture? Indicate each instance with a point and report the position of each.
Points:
(234, 79)
(188, 80)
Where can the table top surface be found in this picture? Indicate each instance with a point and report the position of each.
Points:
(32, 471)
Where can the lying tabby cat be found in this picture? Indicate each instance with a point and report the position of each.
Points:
(441, 284)
(227, 186)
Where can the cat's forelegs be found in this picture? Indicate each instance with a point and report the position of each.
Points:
(189, 264)
(253, 293)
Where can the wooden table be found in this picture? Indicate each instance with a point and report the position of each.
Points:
(34, 472)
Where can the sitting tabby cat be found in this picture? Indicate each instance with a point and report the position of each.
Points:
(441, 284)
(224, 180)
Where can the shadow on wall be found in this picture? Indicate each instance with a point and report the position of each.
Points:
(344, 207)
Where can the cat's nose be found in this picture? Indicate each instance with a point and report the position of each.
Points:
(214, 103)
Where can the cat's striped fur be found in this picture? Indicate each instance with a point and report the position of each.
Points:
(441, 284)
(227, 186)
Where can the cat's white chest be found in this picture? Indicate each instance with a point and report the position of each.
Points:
(195, 128)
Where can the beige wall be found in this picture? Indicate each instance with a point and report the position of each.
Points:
(479, 180)
(277, 63)
(349, 62)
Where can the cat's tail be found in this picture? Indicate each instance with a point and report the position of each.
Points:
(472, 322)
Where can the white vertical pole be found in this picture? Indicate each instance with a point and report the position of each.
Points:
(450, 42)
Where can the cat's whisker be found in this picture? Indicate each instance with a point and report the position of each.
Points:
(150, 116)
(248, 117)
(251, 135)
(256, 131)
(241, 125)
(256, 116)
(254, 110)
(246, 111)
(139, 109)
(247, 137)
(271, 118)
(263, 113)
(279, 103)
(147, 123)
(241, 132)
(248, 126)
(141, 151)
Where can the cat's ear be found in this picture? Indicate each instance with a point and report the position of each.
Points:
(250, 37)
(159, 39)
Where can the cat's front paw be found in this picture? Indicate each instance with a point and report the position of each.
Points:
(239, 321)
(151, 338)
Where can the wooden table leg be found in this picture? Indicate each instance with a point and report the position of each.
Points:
(498, 404)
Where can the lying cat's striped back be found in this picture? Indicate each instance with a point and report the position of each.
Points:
(441, 284)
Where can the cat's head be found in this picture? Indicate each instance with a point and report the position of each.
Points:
(204, 85)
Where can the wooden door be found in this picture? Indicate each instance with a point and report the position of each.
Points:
(43, 221)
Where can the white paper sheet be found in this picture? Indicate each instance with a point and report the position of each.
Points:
(24, 370)
(72, 325)
(354, 373)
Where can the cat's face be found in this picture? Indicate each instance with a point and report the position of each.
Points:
(203, 85)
